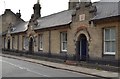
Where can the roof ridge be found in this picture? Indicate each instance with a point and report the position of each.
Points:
(54, 14)
(12, 13)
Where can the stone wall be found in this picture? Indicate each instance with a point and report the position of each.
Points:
(0, 24)
(46, 41)
(108, 24)
(9, 19)
(55, 41)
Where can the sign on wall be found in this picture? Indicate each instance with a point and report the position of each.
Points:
(82, 17)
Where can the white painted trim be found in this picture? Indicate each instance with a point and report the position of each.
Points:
(64, 50)
(107, 53)
(62, 42)
(40, 39)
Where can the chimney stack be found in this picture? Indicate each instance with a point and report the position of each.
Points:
(18, 14)
(37, 8)
(72, 4)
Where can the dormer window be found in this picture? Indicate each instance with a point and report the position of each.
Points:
(13, 29)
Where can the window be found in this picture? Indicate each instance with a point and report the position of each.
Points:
(63, 41)
(4, 42)
(109, 41)
(40, 39)
(13, 42)
(25, 43)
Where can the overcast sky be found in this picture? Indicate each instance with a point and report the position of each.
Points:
(26, 6)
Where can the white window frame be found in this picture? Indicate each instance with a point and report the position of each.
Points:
(109, 53)
(40, 39)
(63, 34)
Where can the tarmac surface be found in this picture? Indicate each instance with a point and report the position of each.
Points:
(13, 66)
(19, 68)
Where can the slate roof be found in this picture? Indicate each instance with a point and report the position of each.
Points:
(21, 27)
(57, 19)
(106, 9)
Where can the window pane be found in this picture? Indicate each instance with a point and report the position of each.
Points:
(107, 46)
(13, 40)
(25, 43)
(65, 36)
(112, 34)
(40, 42)
(113, 47)
(64, 46)
(62, 37)
(64, 41)
(107, 34)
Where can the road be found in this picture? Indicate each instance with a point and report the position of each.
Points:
(18, 68)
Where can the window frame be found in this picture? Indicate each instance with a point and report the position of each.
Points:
(4, 42)
(25, 43)
(40, 42)
(110, 40)
(13, 42)
(62, 41)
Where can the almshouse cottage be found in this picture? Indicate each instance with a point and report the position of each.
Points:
(86, 31)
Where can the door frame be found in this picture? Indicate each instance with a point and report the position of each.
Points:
(83, 56)
(31, 42)
(8, 44)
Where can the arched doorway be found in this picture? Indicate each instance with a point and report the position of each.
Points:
(31, 48)
(82, 47)
(8, 44)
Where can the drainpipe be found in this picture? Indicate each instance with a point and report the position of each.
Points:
(49, 42)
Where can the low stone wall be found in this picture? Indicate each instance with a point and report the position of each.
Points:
(48, 57)
(62, 57)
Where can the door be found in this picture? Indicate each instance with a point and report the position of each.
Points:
(83, 47)
(31, 45)
(8, 46)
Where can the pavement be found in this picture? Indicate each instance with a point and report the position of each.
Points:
(88, 71)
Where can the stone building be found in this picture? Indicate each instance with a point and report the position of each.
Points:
(8, 19)
(86, 31)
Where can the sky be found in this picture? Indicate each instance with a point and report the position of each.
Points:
(26, 6)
